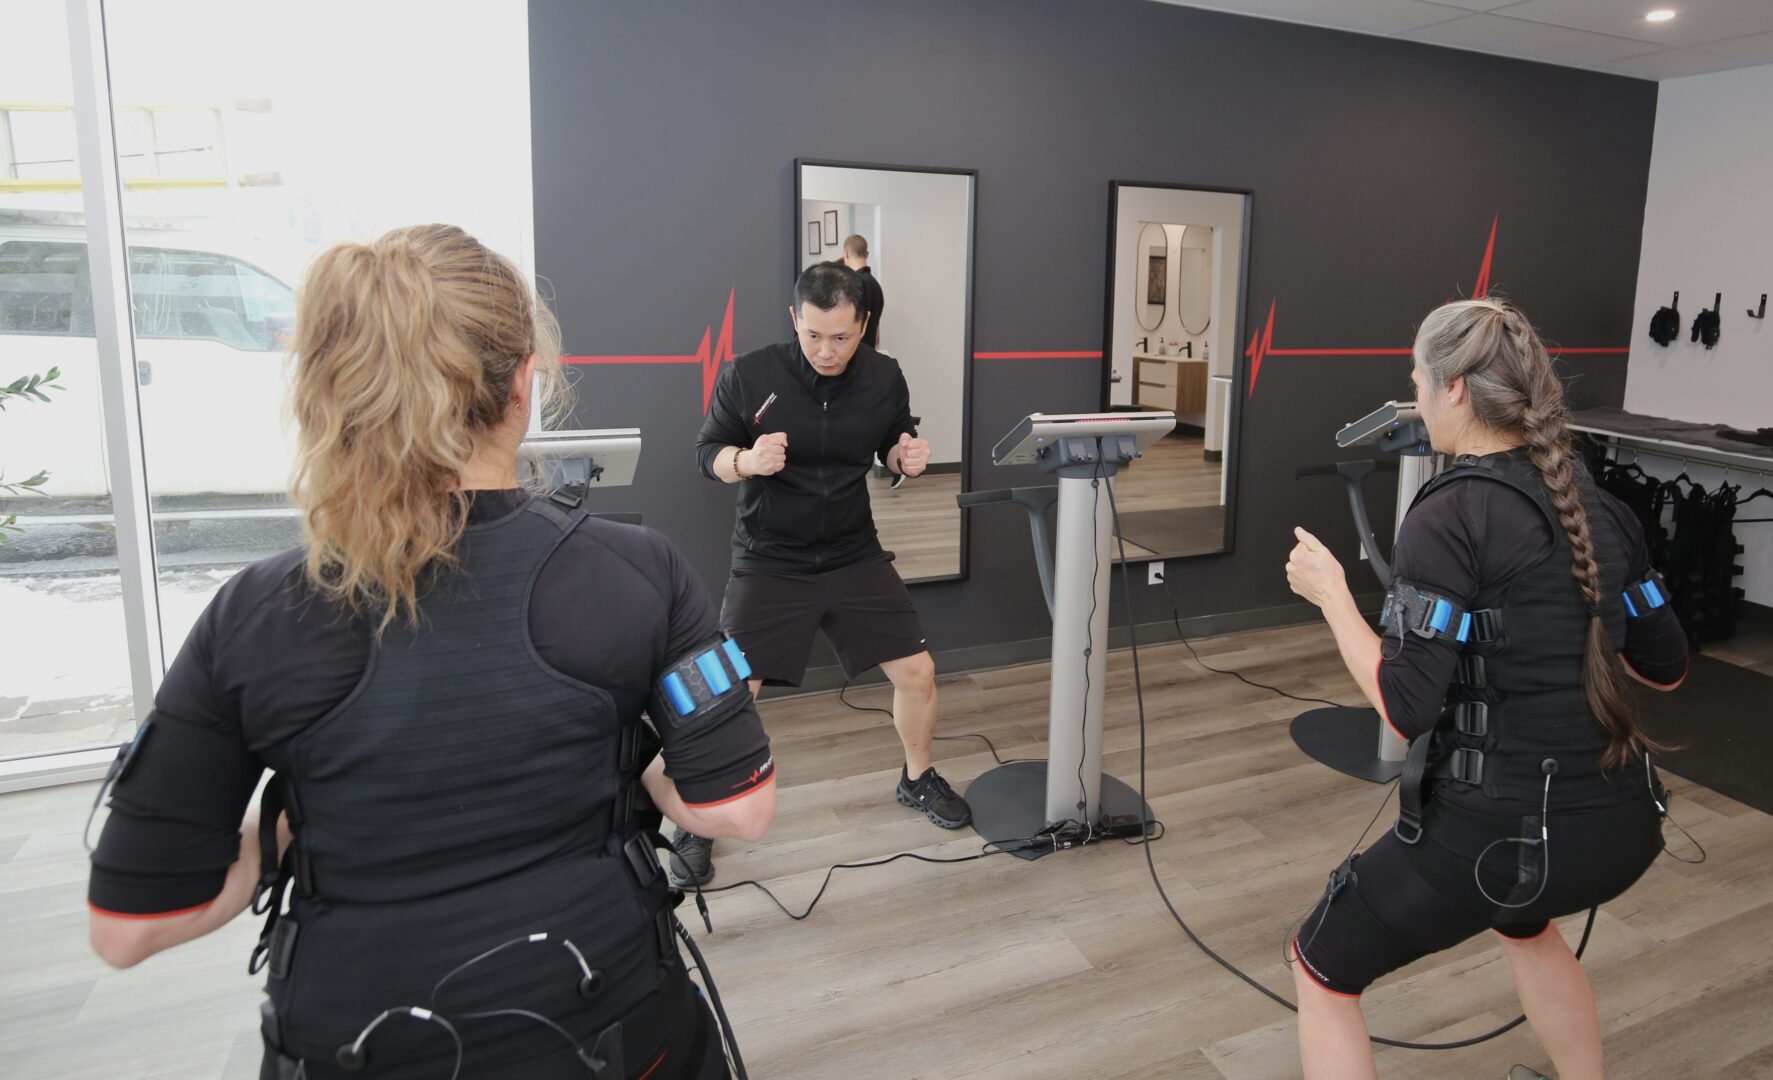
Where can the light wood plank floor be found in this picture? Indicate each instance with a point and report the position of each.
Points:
(1064, 967)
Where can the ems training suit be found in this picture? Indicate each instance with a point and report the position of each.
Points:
(806, 556)
(1485, 537)
(450, 789)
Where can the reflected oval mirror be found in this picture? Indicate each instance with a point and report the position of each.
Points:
(1194, 279)
(1152, 276)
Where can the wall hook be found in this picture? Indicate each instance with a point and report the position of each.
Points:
(1761, 314)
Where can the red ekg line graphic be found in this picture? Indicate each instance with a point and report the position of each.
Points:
(1262, 341)
(710, 354)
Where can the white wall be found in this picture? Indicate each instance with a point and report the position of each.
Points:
(1224, 214)
(1707, 230)
(919, 253)
(852, 218)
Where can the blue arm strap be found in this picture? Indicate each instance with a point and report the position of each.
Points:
(701, 685)
(1645, 596)
(1430, 615)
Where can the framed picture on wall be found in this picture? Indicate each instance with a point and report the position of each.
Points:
(812, 238)
(830, 228)
(1157, 278)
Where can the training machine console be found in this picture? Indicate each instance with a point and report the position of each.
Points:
(602, 456)
(1358, 742)
(1073, 559)
(572, 463)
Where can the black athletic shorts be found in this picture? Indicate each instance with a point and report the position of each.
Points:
(1406, 901)
(865, 611)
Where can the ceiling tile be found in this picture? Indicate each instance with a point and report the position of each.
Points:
(1530, 41)
(1756, 48)
(1696, 21)
(1671, 64)
(1365, 16)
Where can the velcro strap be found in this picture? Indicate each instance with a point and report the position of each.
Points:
(1471, 671)
(692, 687)
(1645, 596)
(1425, 613)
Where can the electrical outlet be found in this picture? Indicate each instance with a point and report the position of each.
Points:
(1154, 573)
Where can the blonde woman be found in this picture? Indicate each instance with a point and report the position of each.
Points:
(1521, 600)
(448, 678)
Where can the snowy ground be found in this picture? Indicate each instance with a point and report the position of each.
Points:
(64, 663)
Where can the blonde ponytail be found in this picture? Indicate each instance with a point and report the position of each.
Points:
(405, 354)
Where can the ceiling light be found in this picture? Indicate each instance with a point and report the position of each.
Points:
(1660, 15)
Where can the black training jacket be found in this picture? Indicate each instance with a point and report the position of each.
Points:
(814, 515)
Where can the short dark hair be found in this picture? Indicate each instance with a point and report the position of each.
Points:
(828, 286)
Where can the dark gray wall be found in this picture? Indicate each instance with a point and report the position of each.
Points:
(664, 138)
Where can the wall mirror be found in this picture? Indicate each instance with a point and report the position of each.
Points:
(1181, 353)
(1152, 295)
(916, 225)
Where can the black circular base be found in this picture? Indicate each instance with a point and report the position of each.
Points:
(1009, 803)
(1345, 740)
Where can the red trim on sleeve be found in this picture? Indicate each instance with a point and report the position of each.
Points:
(758, 780)
(650, 1069)
(1686, 671)
(149, 915)
(1316, 979)
(1384, 709)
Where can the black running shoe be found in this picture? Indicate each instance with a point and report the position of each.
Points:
(939, 802)
(692, 863)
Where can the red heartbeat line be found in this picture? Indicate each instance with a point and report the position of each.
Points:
(710, 354)
(1262, 341)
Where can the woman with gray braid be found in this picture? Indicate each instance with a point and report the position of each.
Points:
(1522, 599)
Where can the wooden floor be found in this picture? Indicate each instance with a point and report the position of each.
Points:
(1065, 967)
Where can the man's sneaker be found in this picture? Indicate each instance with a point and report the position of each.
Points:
(931, 794)
(692, 863)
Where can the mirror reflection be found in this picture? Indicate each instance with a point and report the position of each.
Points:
(1150, 299)
(909, 233)
(1179, 355)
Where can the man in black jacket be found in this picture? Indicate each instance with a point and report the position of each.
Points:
(798, 426)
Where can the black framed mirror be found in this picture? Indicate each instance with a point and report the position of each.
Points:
(911, 228)
(1177, 501)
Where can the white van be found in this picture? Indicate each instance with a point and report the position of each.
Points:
(212, 330)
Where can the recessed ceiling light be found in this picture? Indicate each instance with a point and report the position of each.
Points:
(1660, 15)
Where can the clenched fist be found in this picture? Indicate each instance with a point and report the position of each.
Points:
(767, 456)
(1312, 571)
(914, 454)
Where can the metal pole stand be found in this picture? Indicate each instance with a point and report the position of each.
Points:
(1358, 742)
(1025, 799)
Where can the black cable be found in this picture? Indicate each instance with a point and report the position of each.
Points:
(1164, 895)
(726, 1026)
(843, 690)
(758, 885)
(1176, 617)
(1097, 483)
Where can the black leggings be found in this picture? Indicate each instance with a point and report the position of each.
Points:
(1402, 901)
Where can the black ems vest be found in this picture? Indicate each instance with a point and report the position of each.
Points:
(1518, 696)
(462, 796)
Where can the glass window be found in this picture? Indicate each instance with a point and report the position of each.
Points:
(64, 667)
(45, 288)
